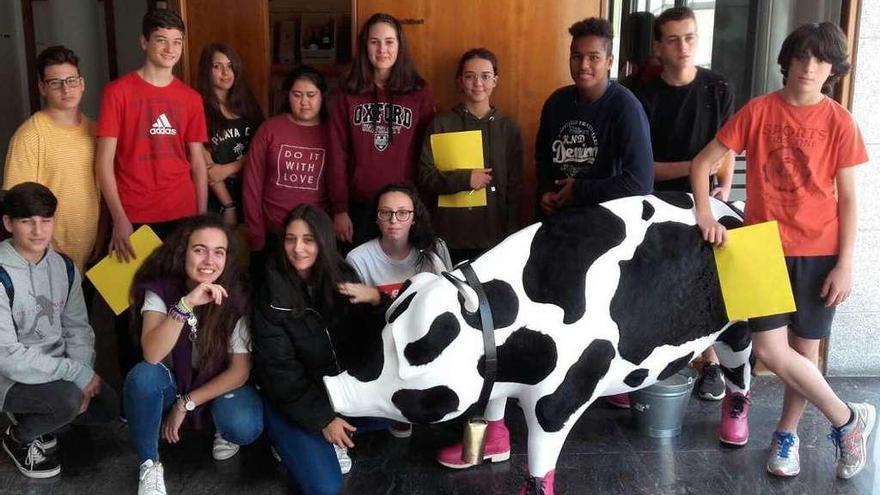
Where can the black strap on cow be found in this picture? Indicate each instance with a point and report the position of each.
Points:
(491, 368)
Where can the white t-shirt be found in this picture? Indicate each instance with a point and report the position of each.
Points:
(377, 269)
(239, 340)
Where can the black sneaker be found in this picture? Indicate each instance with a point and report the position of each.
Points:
(30, 458)
(48, 442)
(711, 384)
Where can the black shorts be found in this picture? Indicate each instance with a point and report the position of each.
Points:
(811, 320)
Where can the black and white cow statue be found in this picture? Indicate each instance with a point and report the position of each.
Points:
(592, 302)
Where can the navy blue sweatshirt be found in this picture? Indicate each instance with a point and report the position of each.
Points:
(605, 145)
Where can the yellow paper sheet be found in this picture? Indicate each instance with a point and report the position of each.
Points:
(456, 151)
(751, 269)
(113, 278)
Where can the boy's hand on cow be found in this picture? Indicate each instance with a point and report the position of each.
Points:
(548, 202)
(837, 286)
(360, 293)
(713, 232)
(336, 432)
(564, 196)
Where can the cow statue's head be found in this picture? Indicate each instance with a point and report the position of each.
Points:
(431, 354)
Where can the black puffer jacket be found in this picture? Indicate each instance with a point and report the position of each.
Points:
(295, 347)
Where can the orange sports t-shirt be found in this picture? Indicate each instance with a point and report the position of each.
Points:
(793, 155)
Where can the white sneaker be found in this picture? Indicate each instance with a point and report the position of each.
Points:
(223, 449)
(343, 458)
(151, 479)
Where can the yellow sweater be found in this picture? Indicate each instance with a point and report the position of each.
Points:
(62, 159)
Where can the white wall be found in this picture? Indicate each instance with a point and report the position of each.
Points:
(853, 348)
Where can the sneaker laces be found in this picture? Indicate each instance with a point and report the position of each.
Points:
(39, 443)
(845, 443)
(738, 403)
(784, 441)
(35, 454)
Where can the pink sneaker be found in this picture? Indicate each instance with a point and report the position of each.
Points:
(531, 485)
(497, 447)
(734, 427)
(620, 401)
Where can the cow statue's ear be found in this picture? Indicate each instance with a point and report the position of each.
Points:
(471, 301)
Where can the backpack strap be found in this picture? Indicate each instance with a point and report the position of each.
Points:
(71, 274)
(6, 280)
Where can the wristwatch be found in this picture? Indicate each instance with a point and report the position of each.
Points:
(187, 401)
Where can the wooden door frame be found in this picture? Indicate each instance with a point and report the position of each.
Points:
(850, 19)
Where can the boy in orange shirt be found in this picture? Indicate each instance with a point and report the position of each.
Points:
(801, 148)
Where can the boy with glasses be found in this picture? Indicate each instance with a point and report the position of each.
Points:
(56, 147)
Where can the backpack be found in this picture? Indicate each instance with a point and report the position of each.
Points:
(6, 280)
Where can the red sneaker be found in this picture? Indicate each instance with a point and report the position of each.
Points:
(538, 486)
(620, 401)
(734, 427)
(497, 447)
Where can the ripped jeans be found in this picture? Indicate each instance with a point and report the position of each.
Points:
(149, 393)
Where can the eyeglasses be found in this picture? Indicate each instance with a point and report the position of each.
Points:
(471, 77)
(400, 215)
(70, 82)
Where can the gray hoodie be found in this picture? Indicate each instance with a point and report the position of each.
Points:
(54, 340)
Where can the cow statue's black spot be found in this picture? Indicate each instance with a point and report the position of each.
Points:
(400, 307)
(737, 336)
(563, 249)
(443, 330)
(735, 376)
(525, 357)
(647, 210)
(676, 198)
(636, 377)
(673, 367)
(668, 293)
(576, 388)
(503, 302)
(730, 222)
(425, 406)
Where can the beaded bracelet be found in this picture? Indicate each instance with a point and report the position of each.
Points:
(182, 312)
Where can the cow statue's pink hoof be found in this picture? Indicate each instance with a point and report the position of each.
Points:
(734, 427)
(497, 447)
(538, 486)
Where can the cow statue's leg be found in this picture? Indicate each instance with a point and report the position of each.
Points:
(545, 446)
(734, 348)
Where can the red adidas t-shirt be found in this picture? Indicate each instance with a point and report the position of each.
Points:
(152, 126)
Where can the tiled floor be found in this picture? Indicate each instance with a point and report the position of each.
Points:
(603, 455)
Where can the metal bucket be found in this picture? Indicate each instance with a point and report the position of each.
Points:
(658, 410)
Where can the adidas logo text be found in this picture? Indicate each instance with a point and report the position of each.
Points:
(163, 126)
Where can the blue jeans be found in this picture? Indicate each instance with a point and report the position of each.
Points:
(309, 459)
(150, 391)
